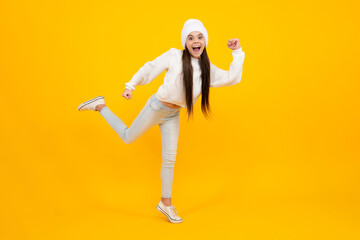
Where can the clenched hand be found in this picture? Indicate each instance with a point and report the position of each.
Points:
(127, 94)
(233, 43)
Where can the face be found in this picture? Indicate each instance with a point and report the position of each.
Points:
(195, 43)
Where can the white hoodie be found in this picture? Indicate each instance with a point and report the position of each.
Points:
(172, 89)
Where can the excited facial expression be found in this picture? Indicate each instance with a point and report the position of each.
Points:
(195, 43)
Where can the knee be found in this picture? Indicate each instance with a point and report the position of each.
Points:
(126, 139)
(169, 159)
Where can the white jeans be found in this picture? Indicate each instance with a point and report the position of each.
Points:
(153, 113)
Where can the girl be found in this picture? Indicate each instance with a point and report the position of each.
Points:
(189, 74)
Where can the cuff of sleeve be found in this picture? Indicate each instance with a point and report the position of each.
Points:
(238, 51)
(129, 86)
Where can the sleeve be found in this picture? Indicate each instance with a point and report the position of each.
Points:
(222, 78)
(150, 70)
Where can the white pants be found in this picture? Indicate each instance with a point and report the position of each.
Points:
(153, 113)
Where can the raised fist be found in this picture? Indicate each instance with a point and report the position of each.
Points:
(233, 43)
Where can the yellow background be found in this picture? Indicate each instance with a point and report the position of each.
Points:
(278, 160)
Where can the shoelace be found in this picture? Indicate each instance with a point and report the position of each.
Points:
(174, 209)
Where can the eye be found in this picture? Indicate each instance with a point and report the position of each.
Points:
(190, 38)
(200, 37)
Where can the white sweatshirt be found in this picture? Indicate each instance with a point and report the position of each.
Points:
(172, 89)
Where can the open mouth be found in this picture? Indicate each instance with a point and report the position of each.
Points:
(196, 49)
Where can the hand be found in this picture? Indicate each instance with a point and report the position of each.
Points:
(233, 43)
(127, 94)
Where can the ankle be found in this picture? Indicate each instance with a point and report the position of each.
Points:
(166, 201)
(99, 107)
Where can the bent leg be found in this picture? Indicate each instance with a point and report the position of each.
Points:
(169, 137)
(143, 122)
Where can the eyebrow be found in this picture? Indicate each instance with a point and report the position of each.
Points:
(198, 34)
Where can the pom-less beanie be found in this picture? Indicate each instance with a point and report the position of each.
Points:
(193, 25)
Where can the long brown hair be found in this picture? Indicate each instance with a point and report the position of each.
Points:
(187, 75)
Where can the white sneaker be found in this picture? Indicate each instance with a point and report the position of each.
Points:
(170, 212)
(91, 104)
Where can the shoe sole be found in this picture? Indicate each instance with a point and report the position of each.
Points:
(89, 101)
(167, 215)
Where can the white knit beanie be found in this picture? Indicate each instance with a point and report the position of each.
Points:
(193, 25)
